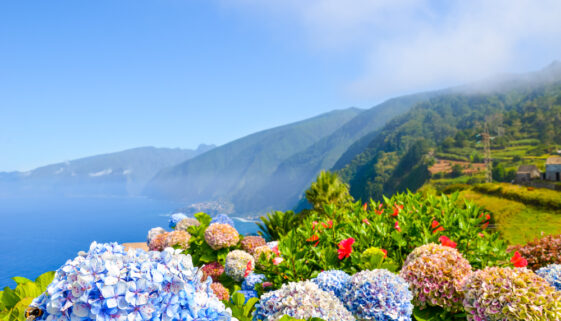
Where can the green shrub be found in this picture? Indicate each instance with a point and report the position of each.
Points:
(314, 245)
(277, 224)
(13, 303)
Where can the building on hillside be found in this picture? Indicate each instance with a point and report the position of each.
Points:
(526, 173)
(553, 168)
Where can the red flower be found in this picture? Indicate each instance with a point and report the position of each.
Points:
(248, 269)
(316, 244)
(434, 224)
(396, 225)
(484, 226)
(364, 206)
(385, 253)
(380, 206)
(345, 248)
(439, 229)
(313, 238)
(328, 225)
(379, 212)
(275, 250)
(518, 260)
(480, 234)
(365, 221)
(267, 284)
(314, 223)
(445, 241)
(397, 208)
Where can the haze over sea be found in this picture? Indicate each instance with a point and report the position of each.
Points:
(40, 234)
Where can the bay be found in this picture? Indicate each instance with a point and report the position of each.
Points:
(40, 234)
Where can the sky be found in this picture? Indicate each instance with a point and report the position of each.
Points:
(79, 78)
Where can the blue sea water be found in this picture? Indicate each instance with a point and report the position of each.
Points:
(39, 235)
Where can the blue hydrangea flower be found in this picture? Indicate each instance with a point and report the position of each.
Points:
(552, 274)
(176, 218)
(333, 280)
(222, 219)
(252, 280)
(378, 295)
(108, 283)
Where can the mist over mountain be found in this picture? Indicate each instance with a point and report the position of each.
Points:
(121, 173)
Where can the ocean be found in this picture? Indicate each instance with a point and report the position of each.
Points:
(39, 235)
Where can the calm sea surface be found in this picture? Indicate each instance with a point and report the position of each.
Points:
(39, 235)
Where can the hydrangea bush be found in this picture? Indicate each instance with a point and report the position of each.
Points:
(251, 281)
(213, 269)
(178, 239)
(109, 284)
(496, 293)
(176, 218)
(222, 219)
(153, 232)
(220, 291)
(378, 295)
(250, 243)
(332, 281)
(219, 236)
(435, 274)
(552, 274)
(185, 223)
(239, 264)
(301, 300)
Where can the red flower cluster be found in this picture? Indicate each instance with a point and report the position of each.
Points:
(518, 260)
(396, 209)
(435, 226)
(345, 248)
(487, 218)
(445, 241)
(396, 225)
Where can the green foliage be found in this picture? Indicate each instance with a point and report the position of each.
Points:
(277, 224)
(13, 303)
(437, 314)
(241, 310)
(313, 246)
(328, 189)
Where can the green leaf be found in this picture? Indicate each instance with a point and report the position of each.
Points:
(9, 298)
(28, 290)
(20, 280)
(44, 280)
(238, 299)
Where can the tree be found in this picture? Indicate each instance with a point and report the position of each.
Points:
(457, 170)
(328, 189)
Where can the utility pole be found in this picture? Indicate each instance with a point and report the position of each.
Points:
(487, 151)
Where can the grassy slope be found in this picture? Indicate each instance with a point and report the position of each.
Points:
(517, 222)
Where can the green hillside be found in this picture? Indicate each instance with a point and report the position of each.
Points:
(519, 112)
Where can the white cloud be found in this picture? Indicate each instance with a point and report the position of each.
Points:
(101, 173)
(409, 45)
